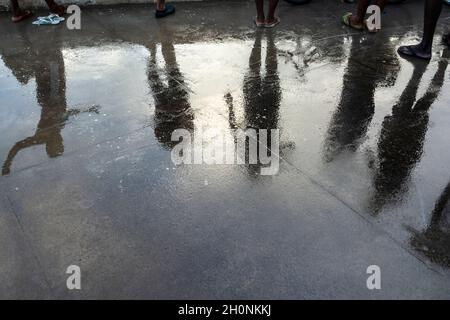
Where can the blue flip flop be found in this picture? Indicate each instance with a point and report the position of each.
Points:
(52, 19)
(168, 10)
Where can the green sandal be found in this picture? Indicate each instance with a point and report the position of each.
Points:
(346, 20)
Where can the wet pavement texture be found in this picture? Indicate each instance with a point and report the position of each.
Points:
(87, 177)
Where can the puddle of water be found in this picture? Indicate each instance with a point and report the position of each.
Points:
(338, 104)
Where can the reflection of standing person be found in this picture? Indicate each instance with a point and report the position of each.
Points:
(354, 113)
(434, 242)
(47, 65)
(19, 14)
(50, 87)
(433, 9)
(402, 136)
(262, 93)
(172, 106)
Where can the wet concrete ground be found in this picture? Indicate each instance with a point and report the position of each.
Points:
(87, 177)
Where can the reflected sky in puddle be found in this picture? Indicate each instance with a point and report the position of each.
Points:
(338, 103)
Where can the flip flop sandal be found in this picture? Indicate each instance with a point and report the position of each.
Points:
(346, 20)
(25, 15)
(56, 17)
(258, 24)
(411, 51)
(273, 24)
(52, 19)
(168, 10)
(42, 21)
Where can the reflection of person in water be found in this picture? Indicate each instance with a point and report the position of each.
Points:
(46, 64)
(354, 113)
(400, 145)
(172, 106)
(262, 93)
(434, 242)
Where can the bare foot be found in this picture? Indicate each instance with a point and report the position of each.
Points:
(22, 15)
(355, 21)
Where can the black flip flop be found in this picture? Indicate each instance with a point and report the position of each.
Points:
(411, 51)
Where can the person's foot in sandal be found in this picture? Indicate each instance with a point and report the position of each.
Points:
(163, 9)
(259, 23)
(272, 22)
(352, 21)
(416, 51)
(21, 15)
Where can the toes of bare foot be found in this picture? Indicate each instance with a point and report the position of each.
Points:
(21, 16)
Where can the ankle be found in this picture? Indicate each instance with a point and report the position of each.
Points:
(425, 47)
(355, 20)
